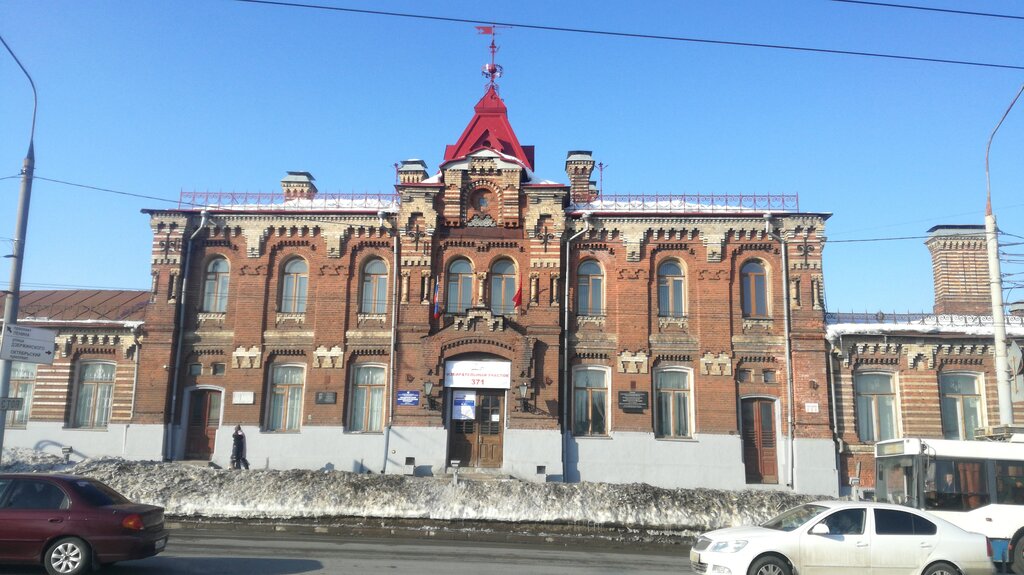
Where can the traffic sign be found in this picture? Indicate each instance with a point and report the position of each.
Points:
(11, 403)
(28, 344)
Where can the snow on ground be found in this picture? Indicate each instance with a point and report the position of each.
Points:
(197, 491)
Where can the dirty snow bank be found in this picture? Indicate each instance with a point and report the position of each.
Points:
(189, 490)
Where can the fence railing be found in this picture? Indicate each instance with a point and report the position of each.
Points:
(694, 202)
(277, 200)
(925, 319)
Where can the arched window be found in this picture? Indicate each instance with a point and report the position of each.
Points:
(293, 286)
(590, 289)
(672, 403)
(876, 406)
(375, 287)
(670, 290)
(960, 405)
(215, 286)
(95, 387)
(285, 410)
(754, 290)
(503, 287)
(460, 286)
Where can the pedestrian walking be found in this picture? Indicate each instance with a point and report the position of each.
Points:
(238, 460)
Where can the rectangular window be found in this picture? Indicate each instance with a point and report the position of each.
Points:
(590, 399)
(876, 406)
(195, 369)
(956, 485)
(743, 375)
(23, 378)
(285, 398)
(95, 388)
(672, 417)
(769, 376)
(367, 398)
(218, 368)
(1010, 482)
(960, 403)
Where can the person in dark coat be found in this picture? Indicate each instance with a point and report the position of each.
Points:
(238, 460)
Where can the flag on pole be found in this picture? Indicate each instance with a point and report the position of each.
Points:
(437, 303)
(517, 300)
(486, 29)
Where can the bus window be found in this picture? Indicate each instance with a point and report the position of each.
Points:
(956, 485)
(894, 483)
(1010, 482)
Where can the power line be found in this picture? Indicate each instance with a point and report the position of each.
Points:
(929, 9)
(107, 190)
(633, 35)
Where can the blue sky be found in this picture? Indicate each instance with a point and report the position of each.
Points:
(154, 98)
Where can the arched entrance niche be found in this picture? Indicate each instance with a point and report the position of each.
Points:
(476, 388)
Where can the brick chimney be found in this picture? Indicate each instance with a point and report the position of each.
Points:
(960, 269)
(579, 164)
(412, 171)
(298, 186)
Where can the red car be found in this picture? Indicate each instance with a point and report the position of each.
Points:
(71, 524)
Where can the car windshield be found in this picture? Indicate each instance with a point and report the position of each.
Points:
(97, 493)
(793, 518)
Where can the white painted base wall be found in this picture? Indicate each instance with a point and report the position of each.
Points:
(140, 442)
(816, 472)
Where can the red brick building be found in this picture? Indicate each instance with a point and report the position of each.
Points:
(928, 375)
(486, 316)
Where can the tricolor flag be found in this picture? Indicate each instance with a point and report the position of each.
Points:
(437, 303)
(517, 300)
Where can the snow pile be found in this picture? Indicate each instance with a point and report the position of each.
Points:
(190, 490)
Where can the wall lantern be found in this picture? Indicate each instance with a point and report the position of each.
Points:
(524, 397)
(428, 388)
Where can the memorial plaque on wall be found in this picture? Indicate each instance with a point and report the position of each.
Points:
(326, 397)
(633, 400)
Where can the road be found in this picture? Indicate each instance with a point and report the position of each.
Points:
(228, 552)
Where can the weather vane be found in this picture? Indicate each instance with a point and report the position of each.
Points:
(491, 71)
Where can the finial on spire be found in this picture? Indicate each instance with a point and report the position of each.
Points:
(491, 71)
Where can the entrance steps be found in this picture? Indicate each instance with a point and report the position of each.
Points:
(479, 474)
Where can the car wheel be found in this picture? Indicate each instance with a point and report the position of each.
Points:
(941, 569)
(68, 556)
(769, 565)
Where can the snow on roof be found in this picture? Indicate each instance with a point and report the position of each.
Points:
(665, 204)
(969, 325)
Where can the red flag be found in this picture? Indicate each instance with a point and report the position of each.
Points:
(517, 300)
(437, 303)
(486, 29)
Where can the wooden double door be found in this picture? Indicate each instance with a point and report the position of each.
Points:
(760, 451)
(477, 442)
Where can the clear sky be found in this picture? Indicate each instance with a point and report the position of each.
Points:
(154, 97)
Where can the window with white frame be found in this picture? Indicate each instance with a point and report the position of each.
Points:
(460, 286)
(876, 406)
(93, 393)
(23, 380)
(960, 404)
(671, 290)
(503, 287)
(375, 287)
(590, 401)
(589, 289)
(215, 286)
(672, 403)
(285, 410)
(293, 286)
(367, 406)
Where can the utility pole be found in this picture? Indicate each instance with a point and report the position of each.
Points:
(14, 291)
(996, 288)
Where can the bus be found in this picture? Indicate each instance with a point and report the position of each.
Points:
(976, 485)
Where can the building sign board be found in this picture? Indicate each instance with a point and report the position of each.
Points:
(478, 374)
(1016, 361)
(11, 403)
(408, 398)
(28, 344)
(463, 405)
(326, 397)
(633, 400)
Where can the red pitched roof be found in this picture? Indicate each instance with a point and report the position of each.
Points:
(114, 306)
(490, 129)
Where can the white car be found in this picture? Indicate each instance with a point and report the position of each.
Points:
(844, 537)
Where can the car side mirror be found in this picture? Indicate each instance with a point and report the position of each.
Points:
(820, 529)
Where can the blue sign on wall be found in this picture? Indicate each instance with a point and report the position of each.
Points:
(408, 398)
